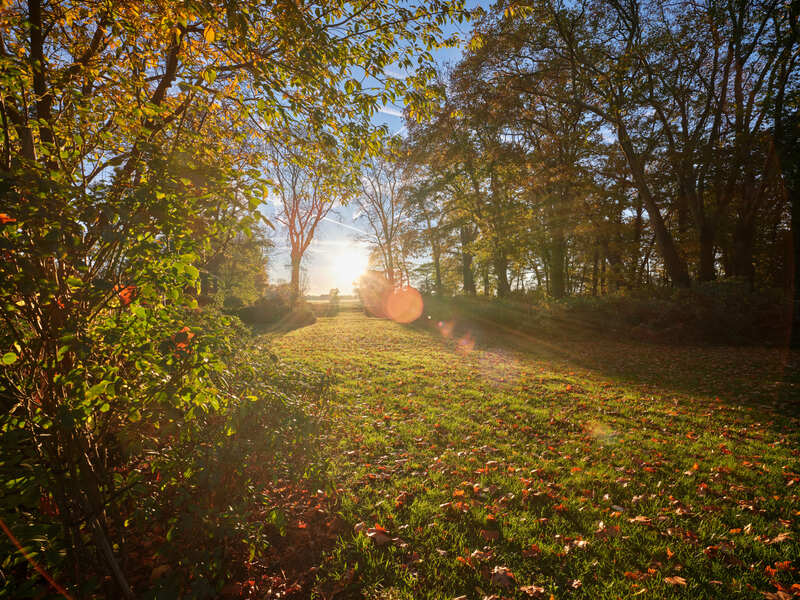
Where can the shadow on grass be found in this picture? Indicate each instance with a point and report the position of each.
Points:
(762, 377)
(290, 322)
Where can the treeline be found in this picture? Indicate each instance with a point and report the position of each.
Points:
(595, 146)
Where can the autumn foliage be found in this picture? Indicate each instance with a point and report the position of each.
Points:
(135, 427)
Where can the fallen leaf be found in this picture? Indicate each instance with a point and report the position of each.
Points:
(503, 577)
(640, 519)
(534, 591)
(781, 537)
(379, 537)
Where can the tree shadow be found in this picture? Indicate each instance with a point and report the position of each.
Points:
(289, 322)
(760, 377)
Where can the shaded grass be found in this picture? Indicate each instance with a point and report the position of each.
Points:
(589, 469)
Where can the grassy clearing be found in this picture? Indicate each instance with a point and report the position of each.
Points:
(530, 467)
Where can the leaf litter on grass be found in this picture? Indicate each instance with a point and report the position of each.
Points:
(574, 476)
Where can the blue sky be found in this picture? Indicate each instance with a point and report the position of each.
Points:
(335, 257)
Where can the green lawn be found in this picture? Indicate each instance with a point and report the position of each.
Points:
(571, 468)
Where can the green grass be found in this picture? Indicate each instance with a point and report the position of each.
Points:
(588, 468)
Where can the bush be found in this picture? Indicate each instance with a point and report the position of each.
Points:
(270, 308)
(274, 309)
(714, 313)
(333, 303)
(184, 458)
(232, 303)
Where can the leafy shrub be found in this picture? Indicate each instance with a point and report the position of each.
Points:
(333, 303)
(275, 309)
(719, 313)
(232, 303)
(194, 433)
(273, 306)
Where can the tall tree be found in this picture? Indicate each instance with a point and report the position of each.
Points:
(307, 191)
(381, 203)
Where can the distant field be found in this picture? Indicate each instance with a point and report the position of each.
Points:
(345, 304)
(558, 469)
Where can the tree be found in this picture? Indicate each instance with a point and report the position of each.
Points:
(427, 212)
(550, 96)
(482, 166)
(237, 273)
(308, 191)
(441, 185)
(127, 132)
(381, 203)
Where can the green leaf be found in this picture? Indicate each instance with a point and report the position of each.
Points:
(9, 358)
(97, 389)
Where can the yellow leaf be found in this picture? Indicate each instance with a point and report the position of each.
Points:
(208, 34)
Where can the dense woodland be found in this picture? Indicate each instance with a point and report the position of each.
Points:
(592, 148)
(600, 147)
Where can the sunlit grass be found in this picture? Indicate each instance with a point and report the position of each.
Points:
(588, 468)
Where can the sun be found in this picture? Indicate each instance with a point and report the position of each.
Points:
(350, 263)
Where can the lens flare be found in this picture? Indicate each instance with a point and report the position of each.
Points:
(446, 328)
(466, 343)
(404, 305)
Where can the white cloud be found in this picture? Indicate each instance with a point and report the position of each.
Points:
(395, 74)
(390, 111)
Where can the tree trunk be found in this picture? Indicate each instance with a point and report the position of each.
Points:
(466, 273)
(706, 234)
(437, 271)
(390, 274)
(466, 263)
(538, 276)
(634, 276)
(557, 275)
(501, 272)
(794, 196)
(603, 276)
(295, 279)
(673, 262)
(707, 272)
(594, 272)
(486, 285)
(743, 239)
(786, 135)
